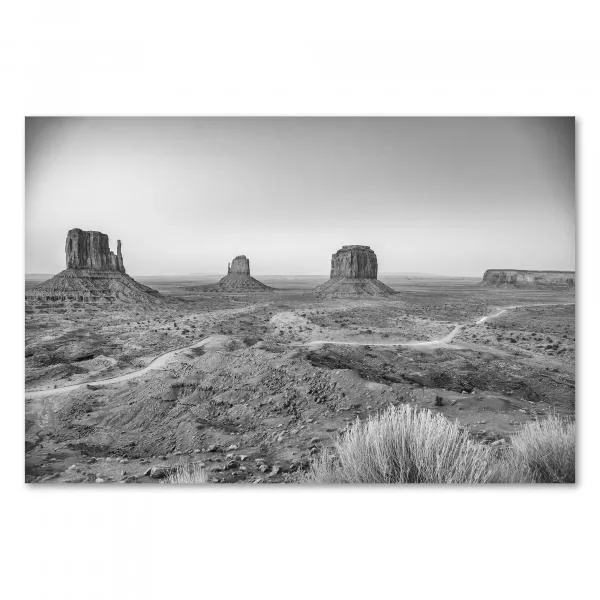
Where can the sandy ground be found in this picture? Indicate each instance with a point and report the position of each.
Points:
(253, 386)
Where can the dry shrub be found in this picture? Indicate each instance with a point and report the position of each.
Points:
(404, 445)
(407, 445)
(543, 452)
(190, 473)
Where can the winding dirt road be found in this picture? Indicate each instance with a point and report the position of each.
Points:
(443, 341)
(156, 364)
(163, 359)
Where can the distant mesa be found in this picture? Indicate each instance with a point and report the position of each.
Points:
(354, 273)
(238, 278)
(529, 279)
(94, 274)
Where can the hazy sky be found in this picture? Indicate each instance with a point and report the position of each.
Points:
(185, 195)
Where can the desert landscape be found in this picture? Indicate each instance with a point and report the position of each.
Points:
(300, 300)
(253, 380)
(304, 294)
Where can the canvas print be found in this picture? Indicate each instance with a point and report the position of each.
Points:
(300, 300)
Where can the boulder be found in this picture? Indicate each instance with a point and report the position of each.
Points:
(161, 471)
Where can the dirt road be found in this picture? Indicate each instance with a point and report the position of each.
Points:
(157, 363)
(443, 341)
(163, 359)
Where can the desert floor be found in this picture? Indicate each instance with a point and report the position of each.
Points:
(253, 386)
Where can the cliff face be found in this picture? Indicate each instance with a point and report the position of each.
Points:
(90, 250)
(533, 279)
(355, 262)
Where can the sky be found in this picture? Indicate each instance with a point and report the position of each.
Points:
(449, 196)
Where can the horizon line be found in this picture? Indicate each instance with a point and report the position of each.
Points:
(221, 274)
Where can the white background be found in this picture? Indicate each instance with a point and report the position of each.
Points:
(196, 58)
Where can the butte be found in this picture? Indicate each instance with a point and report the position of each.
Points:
(354, 273)
(93, 274)
(238, 278)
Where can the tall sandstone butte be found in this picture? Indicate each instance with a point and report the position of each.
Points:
(240, 265)
(238, 278)
(354, 273)
(357, 262)
(564, 280)
(94, 274)
(90, 250)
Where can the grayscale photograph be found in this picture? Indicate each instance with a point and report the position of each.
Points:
(300, 300)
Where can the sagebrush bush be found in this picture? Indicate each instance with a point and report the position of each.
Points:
(543, 452)
(407, 445)
(404, 445)
(189, 473)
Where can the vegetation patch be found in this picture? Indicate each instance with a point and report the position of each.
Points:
(408, 445)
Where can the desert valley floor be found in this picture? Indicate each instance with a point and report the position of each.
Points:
(254, 385)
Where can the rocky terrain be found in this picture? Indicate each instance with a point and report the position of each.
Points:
(354, 273)
(561, 280)
(253, 387)
(93, 274)
(238, 278)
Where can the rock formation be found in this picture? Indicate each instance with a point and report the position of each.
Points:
(564, 280)
(90, 250)
(93, 274)
(354, 273)
(240, 265)
(238, 278)
(357, 262)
